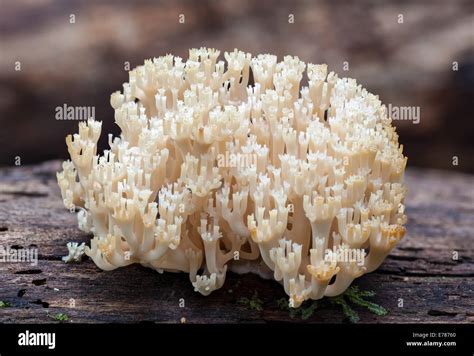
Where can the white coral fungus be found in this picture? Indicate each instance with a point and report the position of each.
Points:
(325, 173)
(75, 252)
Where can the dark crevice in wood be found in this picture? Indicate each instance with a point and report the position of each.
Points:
(434, 312)
(39, 282)
(40, 302)
(29, 271)
(26, 194)
(21, 293)
(3, 228)
(45, 175)
(422, 274)
(403, 258)
(410, 248)
(49, 258)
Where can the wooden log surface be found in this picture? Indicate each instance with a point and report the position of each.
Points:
(422, 271)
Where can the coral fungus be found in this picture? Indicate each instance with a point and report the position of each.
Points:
(237, 166)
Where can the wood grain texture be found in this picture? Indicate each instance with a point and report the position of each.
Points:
(421, 270)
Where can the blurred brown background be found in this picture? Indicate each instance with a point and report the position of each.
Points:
(82, 63)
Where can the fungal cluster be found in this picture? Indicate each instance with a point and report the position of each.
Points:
(237, 166)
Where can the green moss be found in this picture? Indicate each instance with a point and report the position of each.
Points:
(253, 303)
(352, 296)
(357, 296)
(59, 317)
(305, 311)
(4, 304)
(350, 313)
